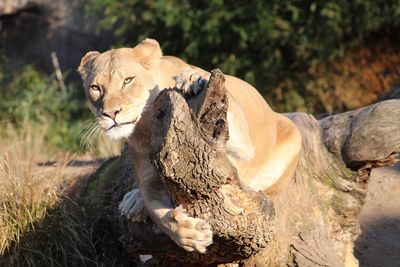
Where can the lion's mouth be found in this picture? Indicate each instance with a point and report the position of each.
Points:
(121, 124)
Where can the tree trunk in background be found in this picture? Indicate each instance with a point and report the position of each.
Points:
(311, 222)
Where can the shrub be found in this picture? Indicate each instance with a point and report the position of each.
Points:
(32, 99)
(263, 42)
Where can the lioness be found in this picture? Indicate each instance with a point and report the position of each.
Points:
(121, 85)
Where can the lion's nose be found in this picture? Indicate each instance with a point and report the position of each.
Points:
(112, 114)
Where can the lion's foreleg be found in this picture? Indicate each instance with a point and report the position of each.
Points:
(188, 232)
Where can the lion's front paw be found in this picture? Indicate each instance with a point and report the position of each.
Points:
(132, 206)
(191, 233)
(191, 82)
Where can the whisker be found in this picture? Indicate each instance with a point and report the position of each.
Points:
(82, 127)
(94, 136)
(85, 138)
(88, 129)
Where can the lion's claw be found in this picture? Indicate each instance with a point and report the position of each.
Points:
(132, 206)
(191, 82)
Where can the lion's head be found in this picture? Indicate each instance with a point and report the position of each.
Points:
(118, 84)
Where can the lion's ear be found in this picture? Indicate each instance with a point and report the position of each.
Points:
(86, 61)
(148, 50)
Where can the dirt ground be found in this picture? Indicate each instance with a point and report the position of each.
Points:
(379, 243)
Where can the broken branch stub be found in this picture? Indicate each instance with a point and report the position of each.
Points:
(188, 149)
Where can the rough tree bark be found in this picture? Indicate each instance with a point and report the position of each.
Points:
(188, 148)
(311, 222)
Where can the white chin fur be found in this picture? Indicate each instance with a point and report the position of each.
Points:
(123, 131)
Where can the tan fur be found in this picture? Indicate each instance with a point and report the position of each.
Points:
(263, 146)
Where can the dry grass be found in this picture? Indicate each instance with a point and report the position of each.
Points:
(39, 224)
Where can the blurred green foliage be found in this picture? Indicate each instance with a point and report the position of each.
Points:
(263, 42)
(32, 99)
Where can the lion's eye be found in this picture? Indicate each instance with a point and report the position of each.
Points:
(95, 87)
(128, 80)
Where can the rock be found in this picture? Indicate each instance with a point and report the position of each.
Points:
(31, 29)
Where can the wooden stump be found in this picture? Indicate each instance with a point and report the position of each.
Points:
(188, 149)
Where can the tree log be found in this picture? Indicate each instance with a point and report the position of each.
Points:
(188, 149)
(311, 222)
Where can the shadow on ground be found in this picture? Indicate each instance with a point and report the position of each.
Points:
(379, 243)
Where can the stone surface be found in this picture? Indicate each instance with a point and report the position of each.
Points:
(30, 30)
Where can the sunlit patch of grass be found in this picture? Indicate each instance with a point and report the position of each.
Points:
(39, 224)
